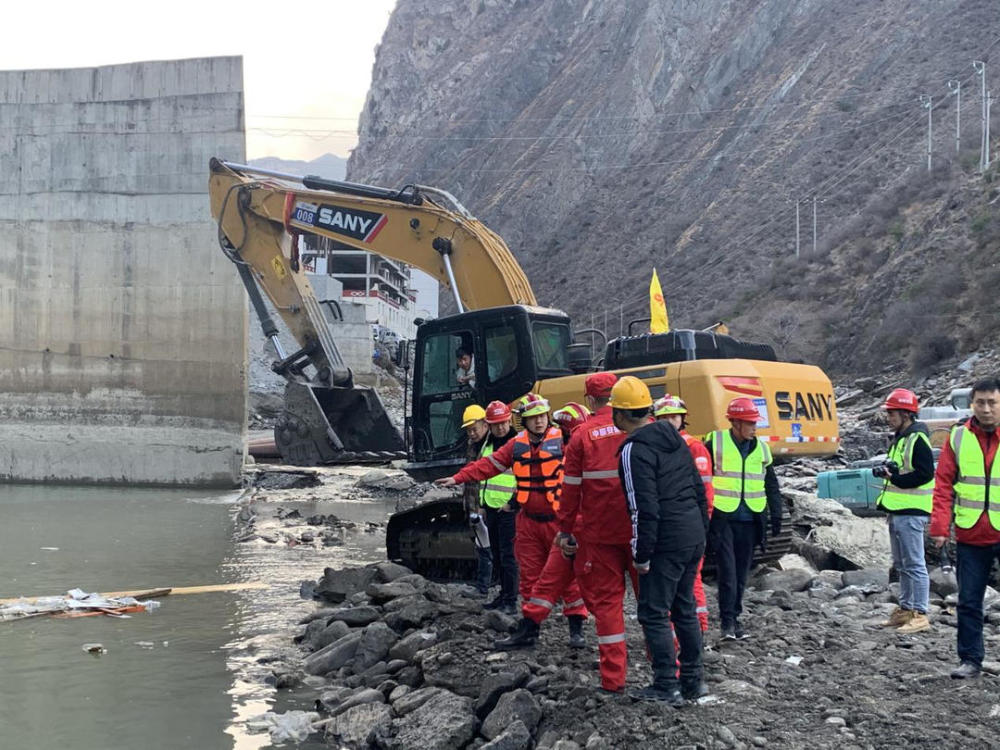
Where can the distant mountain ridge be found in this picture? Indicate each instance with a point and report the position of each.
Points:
(331, 166)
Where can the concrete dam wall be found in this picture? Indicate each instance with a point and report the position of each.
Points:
(123, 328)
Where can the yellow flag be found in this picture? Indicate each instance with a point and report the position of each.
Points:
(658, 322)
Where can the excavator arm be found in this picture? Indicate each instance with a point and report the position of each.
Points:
(260, 214)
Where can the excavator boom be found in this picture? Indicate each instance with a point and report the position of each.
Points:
(261, 213)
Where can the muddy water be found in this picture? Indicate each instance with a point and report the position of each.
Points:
(188, 675)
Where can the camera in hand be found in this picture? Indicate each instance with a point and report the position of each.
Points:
(885, 470)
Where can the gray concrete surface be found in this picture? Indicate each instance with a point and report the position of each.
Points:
(123, 332)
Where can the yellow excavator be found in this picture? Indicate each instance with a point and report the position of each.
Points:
(516, 345)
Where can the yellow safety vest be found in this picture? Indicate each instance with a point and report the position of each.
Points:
(973, 482)
(917, 498)
(736, 478)
(495, 492)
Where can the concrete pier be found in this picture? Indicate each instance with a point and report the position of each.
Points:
(123, 328)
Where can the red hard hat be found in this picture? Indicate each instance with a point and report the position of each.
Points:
(902, 399)
(496, 412)
(599, 384)
(742, 410)
(571, 416)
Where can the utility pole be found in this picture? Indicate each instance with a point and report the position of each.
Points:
(955, 87)
(926, 101)
(814, 226)
(621, 318)
(980, 68)
(605, 323)
(989, 103)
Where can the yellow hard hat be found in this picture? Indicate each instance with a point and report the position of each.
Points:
(472, 414)
(630, 393)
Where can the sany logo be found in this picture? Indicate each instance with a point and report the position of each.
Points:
(349, 222)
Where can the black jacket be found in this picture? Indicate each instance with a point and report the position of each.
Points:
(664, 491)
(923, 466)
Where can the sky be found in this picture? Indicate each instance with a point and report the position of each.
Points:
(306, 66)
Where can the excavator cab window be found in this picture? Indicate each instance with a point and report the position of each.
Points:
(501, 352)
(550, 342)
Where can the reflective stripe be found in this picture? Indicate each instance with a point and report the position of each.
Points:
(971, 486)
(981, 481)
(604, 474)
(603, 640)
(541, 603)
(496, 463)
(707, 479)
(569, 605)
(699, 610)
(736, 494)
(568, 479)
(969, 502)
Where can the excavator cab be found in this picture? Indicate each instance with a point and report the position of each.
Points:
(498, 353)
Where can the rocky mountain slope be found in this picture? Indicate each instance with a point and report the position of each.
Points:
(603, 139)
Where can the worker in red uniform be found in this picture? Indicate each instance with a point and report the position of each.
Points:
(674, 410)
(571, 416)
(595, 524)
(535, 456)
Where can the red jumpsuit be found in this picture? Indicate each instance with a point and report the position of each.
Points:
(593, 508)
(703, 462)
(536, 530)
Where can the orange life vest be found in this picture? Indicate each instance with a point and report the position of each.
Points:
(549, 460)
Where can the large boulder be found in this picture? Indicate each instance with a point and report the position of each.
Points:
(442, 669)
(388, 572)
(412, 615)
(357, 698)
(383, 592)
(356, 617)
(872, 580)
(495, 685)
(414, 699)
(334, 656)
(943, 581)
(792, 580)
(337, 585)
(518, 705)
(408, 647)
(331, 633)
(443, 722)
(376, 640)
(356, 726)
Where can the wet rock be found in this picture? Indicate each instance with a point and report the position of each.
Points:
(498, 621)
(943, 582)
(330, 700)
(380, 593)
(412, 676)
(356, 616)
(871, 579)
(416, 580)
(332, 632)
(444, 722)
(494, 686)
(398, 692)
(357, 698)
(356, 726)
(394, 665)
(383, 480)
(795, 579)
(438, 593)
(323, 613)
(376, 640)
(408, 647)
(412, 616)
(514, 737)
(388, 572)
(397, 604)
(337, 585)
(310, 634)
(833, 578)
(414, 699)
(334, 656)
(518, 705)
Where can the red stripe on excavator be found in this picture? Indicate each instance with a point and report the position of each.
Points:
(736, 384)
(287, 216)
(377, 228)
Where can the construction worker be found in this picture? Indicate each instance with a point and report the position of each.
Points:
(907, 499)
(674, 410)
(964, 487)
(745, 486)
(571, 416)
(594, 526)
(535, 456)
(666, 499)
(497, 499)
(558, 574)
(476, 431)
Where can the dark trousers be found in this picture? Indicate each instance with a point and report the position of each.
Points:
(732, 543)
(502, 532)
(973, 566)
(667, 591)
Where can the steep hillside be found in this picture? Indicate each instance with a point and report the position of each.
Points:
(601, 139)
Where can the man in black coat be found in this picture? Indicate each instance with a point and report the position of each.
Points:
(666, 499)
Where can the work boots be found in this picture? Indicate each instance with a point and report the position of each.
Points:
(523, 637)
(917, 624)
(898, 618)
(692, 690)
(576, 639)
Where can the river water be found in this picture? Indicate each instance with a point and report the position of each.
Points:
(189, 674)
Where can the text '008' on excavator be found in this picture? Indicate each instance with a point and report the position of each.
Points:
(516, 346)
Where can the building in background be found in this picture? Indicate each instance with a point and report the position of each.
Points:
(386, 287)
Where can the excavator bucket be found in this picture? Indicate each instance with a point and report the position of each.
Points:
(335, 425)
